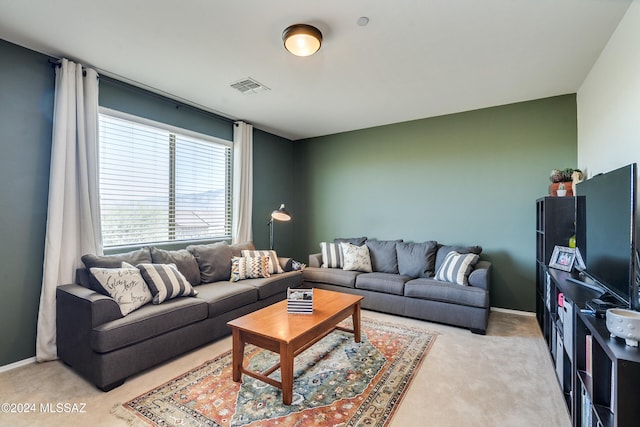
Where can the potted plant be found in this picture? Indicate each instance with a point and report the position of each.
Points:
(560, 178)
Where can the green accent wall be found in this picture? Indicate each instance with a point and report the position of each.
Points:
(274, 182)
(468, 178)
(26, 109)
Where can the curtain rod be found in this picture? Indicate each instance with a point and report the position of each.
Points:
(122, 81)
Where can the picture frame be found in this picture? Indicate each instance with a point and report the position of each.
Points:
(562, 258)
(579, 261)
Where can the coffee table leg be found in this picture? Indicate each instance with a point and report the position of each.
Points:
(356, 322)
(286, 372)
(238, 355)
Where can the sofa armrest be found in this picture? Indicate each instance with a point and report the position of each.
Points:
(78, 311)
(85, 305)
(315, 260)
(481, 275)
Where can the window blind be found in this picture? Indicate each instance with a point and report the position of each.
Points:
(158, 184)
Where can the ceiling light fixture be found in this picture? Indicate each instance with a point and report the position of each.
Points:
(302, 39)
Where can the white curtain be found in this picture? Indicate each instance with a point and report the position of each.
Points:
(73, 217)
(242, 181)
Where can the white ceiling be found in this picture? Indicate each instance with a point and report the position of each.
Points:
(415, 59)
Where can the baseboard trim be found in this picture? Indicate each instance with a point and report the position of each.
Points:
(518, 312)
(17, 364)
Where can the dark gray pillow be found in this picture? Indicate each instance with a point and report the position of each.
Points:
(383, 255)
(237, 248)
(213, 260)
(358, 241)
(182, 258)
(136, 257)
(443, 250)
(417, 259)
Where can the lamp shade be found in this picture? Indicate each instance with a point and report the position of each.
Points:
(302, 39)
(281, 214)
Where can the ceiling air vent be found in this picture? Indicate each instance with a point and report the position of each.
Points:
(249, 86)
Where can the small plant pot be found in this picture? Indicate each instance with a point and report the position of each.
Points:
(561, 193)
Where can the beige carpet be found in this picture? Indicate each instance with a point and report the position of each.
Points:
(502, 379)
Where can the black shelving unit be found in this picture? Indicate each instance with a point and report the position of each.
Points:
(600, 375)
(555, 224)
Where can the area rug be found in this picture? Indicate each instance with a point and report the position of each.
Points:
(336, 382)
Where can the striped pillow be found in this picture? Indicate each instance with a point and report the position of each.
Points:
(249, 268)
(331, 255)
(274, 264)
(456, 268)
(165, 282)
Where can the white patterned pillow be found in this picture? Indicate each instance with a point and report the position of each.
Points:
(125, 285)
(356, 257)
(274, 264)
(249, 268)
(331, 255)
(456, 268)
(166, 282)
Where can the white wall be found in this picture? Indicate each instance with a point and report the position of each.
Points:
(608, 102)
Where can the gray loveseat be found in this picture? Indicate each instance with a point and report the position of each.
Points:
(105, 347)
(403, 281)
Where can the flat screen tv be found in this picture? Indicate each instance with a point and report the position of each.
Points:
(606, 229)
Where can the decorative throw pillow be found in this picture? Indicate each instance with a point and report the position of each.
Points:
(274, 264)
(456, 268)
(331, 255)
(125, 285)
(249, 268)
(443, 251)
(165, 282)
(356, 257)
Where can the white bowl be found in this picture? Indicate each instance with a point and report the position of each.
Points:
(625, 324)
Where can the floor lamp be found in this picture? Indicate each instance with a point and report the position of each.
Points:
(280, 214)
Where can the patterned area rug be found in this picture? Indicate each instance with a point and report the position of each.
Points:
(336, 382)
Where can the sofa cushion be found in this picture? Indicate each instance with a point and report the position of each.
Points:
(125, 285)
(274, 263)
(222, 297)
(113, 261)
(237, 248)
(331, 255)
(443, 250)
(214, 261)
(275, 284)
(147, 322)
(456, 268)
(165, 282)
(182, 258)
(356, 257)
(332, 276)
(383, 255)
(382, 282)
(417, 259)
(431, 289)
(249, 267)
(358, 241)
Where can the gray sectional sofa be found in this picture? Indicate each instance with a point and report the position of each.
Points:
(404, 281)
(105, 347)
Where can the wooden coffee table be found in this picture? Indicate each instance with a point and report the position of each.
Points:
(273, 329)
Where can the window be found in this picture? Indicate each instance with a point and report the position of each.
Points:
(160, 184)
